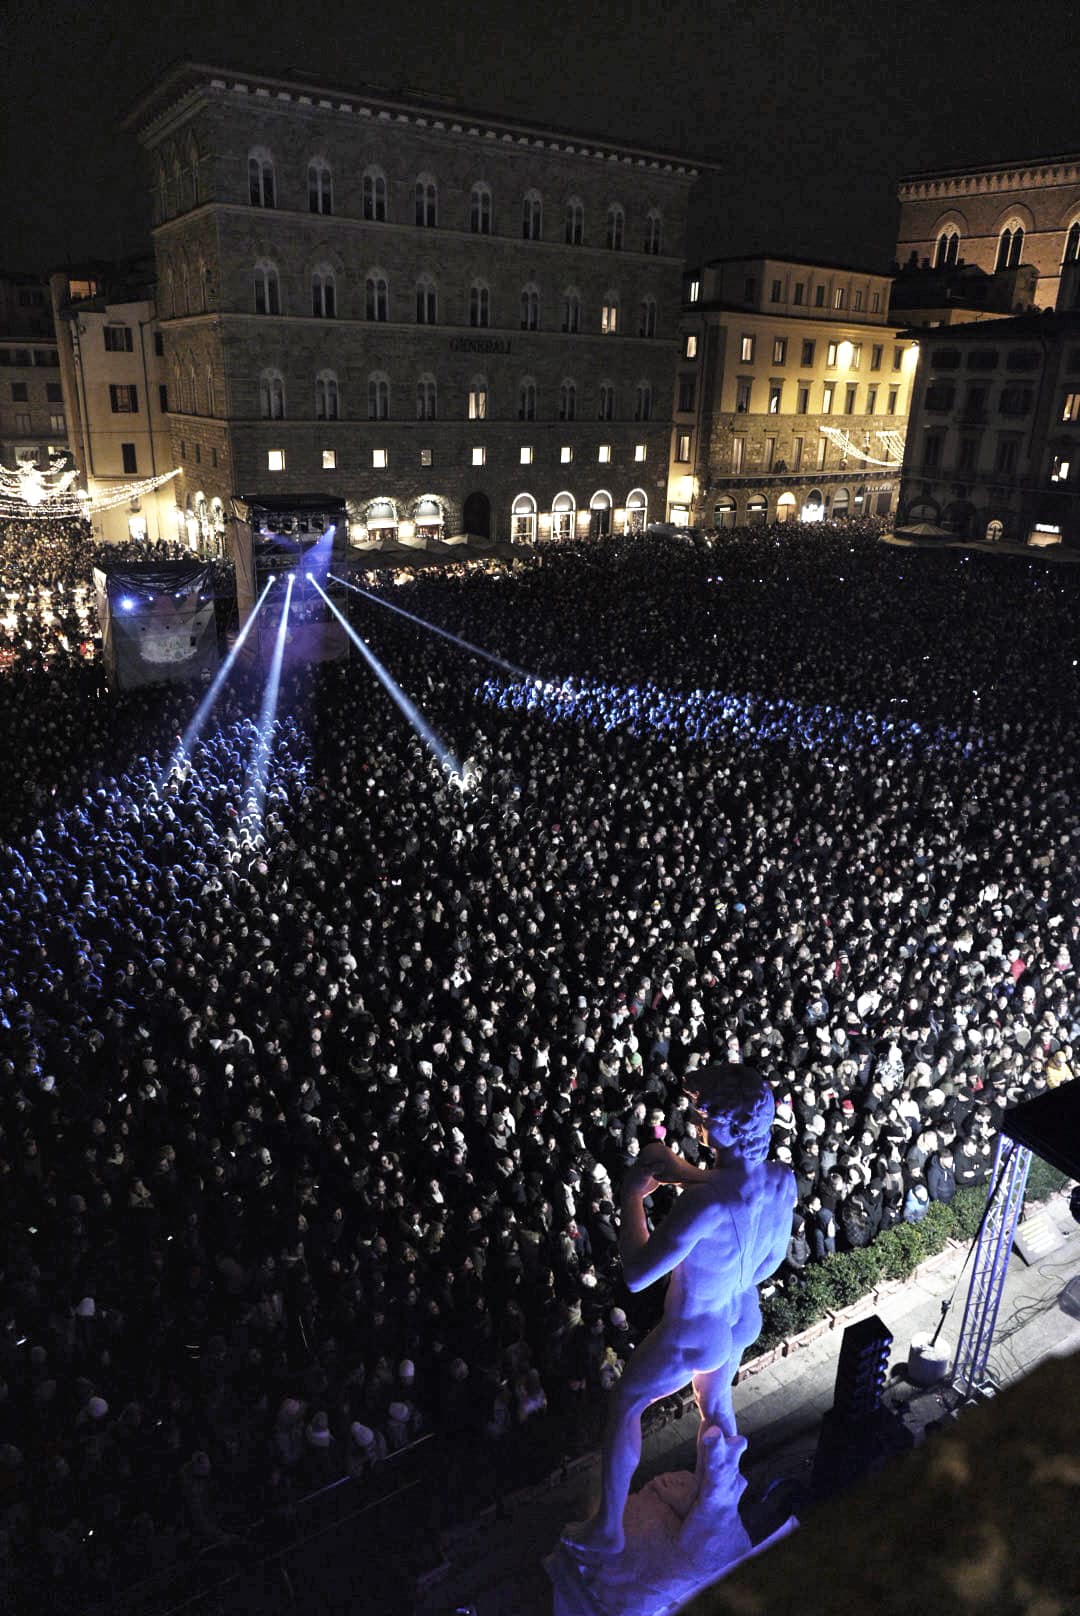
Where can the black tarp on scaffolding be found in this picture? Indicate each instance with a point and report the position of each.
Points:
(157, 622)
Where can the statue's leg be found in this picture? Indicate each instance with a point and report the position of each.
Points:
(655, 1370)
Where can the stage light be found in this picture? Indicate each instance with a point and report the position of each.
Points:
(127, 604)
(255, 786)
(409, 710)
(455, 639)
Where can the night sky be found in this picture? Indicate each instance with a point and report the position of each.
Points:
(812, 107)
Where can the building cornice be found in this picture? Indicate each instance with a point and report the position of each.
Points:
(153, 113)
(991, 180)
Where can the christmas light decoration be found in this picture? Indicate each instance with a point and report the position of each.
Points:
(30, 492)
(894, 446)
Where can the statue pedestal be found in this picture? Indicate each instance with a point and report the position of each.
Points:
(680, 1537)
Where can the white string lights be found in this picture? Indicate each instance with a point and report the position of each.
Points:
(894, 446)
(29, 492)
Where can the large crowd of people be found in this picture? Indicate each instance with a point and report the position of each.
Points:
(314, 1114)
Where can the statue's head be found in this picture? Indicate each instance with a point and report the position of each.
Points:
(736, 1105)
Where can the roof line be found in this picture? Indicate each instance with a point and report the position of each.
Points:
(988, 168)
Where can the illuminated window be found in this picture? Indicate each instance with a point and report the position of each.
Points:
(683, 443)
(323, 293)
(425, 457)
(58, 422)
(568, 401)
(329, 460)
(378, 396)
(575, 222)
(523, 515)
(603, 454)
(738, 453)
(830, 354)
(527, 399)
(647, 317)
(426, 197)
(694, 292)
(639, 452)
(746, 350)
(654, 232)
(377, 295)
(479, 455)
(776, 393)
(373, 194)
(856, 356)
(571, 317)
(530, 308)
(566, 454)
(532, 216)
(827, 399)
(267, 288)
(275, 460)
(272, 395)
(605, 401)
(427, 398)
(779, 351)
(1059, 468)
(478, 399)
(480, 210)
(426, 301)
(839, 297)
(525, 454)
(380, 459)
(616, 224)
(260, 178)
(479, 304)
(609, 313)
(690, 348)
(1070, 410)
(320, 193)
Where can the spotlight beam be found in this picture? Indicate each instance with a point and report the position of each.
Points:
(255, 789)
(195, 725)
(408, 708)
(455, 639)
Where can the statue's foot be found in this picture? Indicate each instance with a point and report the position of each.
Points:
(590, 1541)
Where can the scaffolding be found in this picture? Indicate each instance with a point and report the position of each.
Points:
(970, 1375)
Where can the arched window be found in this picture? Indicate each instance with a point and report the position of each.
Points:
(724, 513)
(177, 387)
(377, 302)
(616, 225)
(1072, 244)
(948, 247)
(194, 390)
(605, 402)
(527, 399)
(323, 292)
(320, 192)
(378, 396)
(428, 517)
(480, 210)
(373, 194)
(427, 398)
(575, 222)
(756, 510)
(427, 201)
(168, 293)
(267, 288)
(530, 308)
(327, 398)
(197, 289)
(654, 231)
(568, 400)
(427, 302)
(205, 296)
(185, 287)
(647, 317)
(643, 401)
(261, 192)
(637, 507)
(609, 313)
(479, 304)
(162, 193)
(563, 516)
(178, 184)
(532, 216)
(272, 395)
(211, 397)
(478, 398)
(523, 520)
(382, 518)
(571, 309)
(600, 509)
(193, 170)
(1010, 246)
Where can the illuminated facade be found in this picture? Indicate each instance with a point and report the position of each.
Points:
(791, 395)
(33, 426)
(452, 323)
(113, 378)
(994, 435)
(1000, 238)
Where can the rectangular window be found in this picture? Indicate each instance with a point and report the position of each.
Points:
(746, 350)
(1005, 460)
(603, 454)
(213, 458)
(1015, 400)
(769, 459)
(819, 297)
(776, 393)
(849, 401)
(779, 351)
(58, 422)
(856, 301)
(777, 292)
(124, 400)
(118, 339)
(827, 399)
(749, 290)
(932, 451)
(830, 354)
(894, 394)
(822, 450)
(690, 351)
(275, 460)
(839, 297)
(525, 454)
(54, 393)
(566, 454)
(425, 457)
(897, 358)
(1071, 408)
(639, 452)
(796, 454)
(856, 356)
(20, 393)
(479, 454)
(198, 454)
(875, 303)
(686, 393)
(163, 398)
(159, 345)
(329, 460)
(682, 447)
(803, 403)
(380, 459)
(609, 317)
(738, 453)
(800, 291)
(875, 356)
(129, 458)
(694, 291)
(969, 448)
(478, 404)
(742, 395)
(809, 348)
(1059, 468)
(871, 401)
